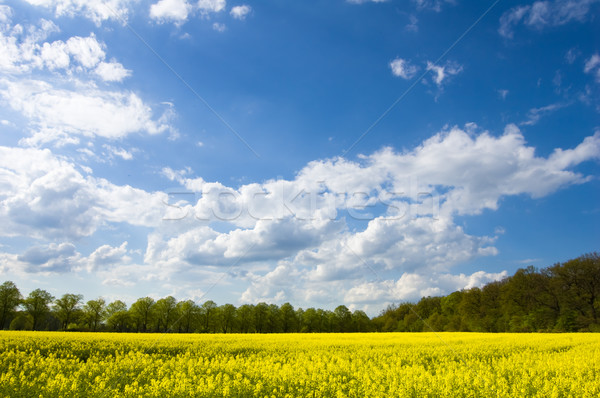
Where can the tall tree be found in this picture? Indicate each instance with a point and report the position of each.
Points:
(142, 312)
(244, 314)
(288, 318)
(67, 307)
(208, 313)
(261, 312)
(343, 318)
(227, 317)
(10, 298)
(94, 312)
(117, 316)
(37, 305)
(188, 312)
(166, 313)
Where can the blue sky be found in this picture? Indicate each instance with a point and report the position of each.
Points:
(316, 152)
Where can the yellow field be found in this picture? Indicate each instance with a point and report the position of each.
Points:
(52, 364)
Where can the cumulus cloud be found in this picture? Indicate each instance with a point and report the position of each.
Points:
(441, 73)
(402, 68)
(25, 50)
(240, 12)
(111, 71)
(208, 6)
(97, 11)
(179, 11)
(107, 256)
(83, 110)
(405, 204)
(170, 10)
(543, 14)
(299, 227)
(412, 286)
(50, 258)
(45, 197)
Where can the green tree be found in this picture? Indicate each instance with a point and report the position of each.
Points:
(37, 306)
(288, 318)
(208, 314)
(361, 322)
(142, 313)
(166, 313)
(10, 298)
(343, 318)
(227, 317)
(67, 308)
(244, 315)
(261, 312)
(94, 311)
(188, 312)
(117, 316)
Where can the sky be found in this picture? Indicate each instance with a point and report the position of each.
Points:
(318, 152)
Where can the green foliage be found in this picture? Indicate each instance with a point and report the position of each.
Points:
(561, 298)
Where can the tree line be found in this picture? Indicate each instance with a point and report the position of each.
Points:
(561, 298)
(41, 311)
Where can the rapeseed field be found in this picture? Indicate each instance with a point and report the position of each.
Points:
(53, 364)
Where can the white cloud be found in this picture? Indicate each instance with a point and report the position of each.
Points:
(503, 93)
(118, 152)
(45, 197)
(413, 25)
(112, 71)
(86, 50)
(535, 114)
(97, 11)
(84, 110)
(434, 5)
(208, 6)
(592, 65)
(292, 236)
(219, 27)
(542, 14)
(170, 10)
(297, 224)
(240, 12)
(402, 68)
(24, 50)
(107, 256)
(50, 258)
(440, 73)
(411, 287)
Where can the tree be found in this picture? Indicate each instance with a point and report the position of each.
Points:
(343, 317)
(188, 312)
(227, 317)
(360, 322)
(142, 313)
(94, 312)
(261, 312)
(580, 284)
(37, 306)
(117, 316)
(244, 315)
(288, 318)
(66, 308)
(10, 298)
(166, 313)
(208, 314)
